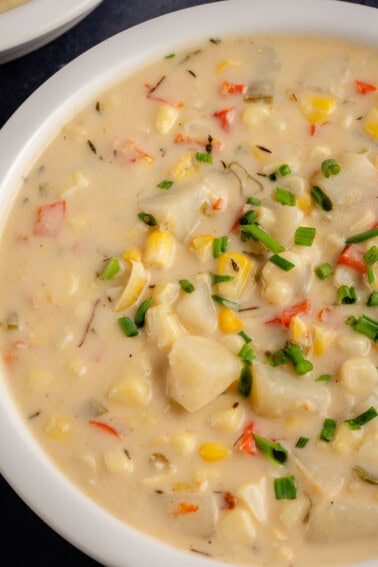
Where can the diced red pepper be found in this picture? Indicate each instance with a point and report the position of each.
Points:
(365, 88)
(218, 205)
(230, 500)
(49, 219)
(312, 129)
(226, 117)
(181, 139)
(105, 427)
(287, 314)
(185, 508)
(150, 94)
(232, 88)
(247, 442)
(352, 257)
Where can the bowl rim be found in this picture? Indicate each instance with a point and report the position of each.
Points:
(26, 467)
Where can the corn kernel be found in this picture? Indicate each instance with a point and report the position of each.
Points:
(304, 202)
(228, 321)
(73, 182)
(160, 249)
(228, 419)
(202, 246)
(185, 167)
(165, 293)
(240, 268)
(346, 440)
(255, 113)
(183, 443)
(132, 255)
(116, 461)
(316, 108)
(212, 452)
(58, 428)
(321, 339)
(300, 331)
(165, 118)
(136, 285)
(163, 325)
(227, 63)
(371, 123)
(132, 389)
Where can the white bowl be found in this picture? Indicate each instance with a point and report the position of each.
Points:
(34, 24)
(22, 461)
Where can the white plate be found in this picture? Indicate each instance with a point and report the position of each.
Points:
(22, 461)
(37, 22)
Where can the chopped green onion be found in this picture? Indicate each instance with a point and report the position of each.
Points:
(284, 169)
(281, 262)
(205, 158)
(346, 295)
(330, 167)
(302, 442)
(245, 337)
(219, 246)
(362, 419)
(128, 326)
(225, 302)
(373, 299)
(364, 325)
(272, 176)
(274, 451)
(285, 197)
(285, 488)
(111, 269)
(362, 236)
(248, 218)
(371, 256)
(370, 274)
(245, 381)
(321, 198)
(259, 234)
(328, 430)
(147, 219)
(220, 278)
(324, 271)
(324, 378)
(301, 365)
(186, 286)
(247, 354)
(277, 358)
(141, 312)
(304, 236)
(253, 201)
(165, 184)
(169, 56)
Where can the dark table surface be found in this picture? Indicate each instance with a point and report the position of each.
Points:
(25, 540)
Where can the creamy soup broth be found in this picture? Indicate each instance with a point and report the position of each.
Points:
(218, 422)
(6, 5)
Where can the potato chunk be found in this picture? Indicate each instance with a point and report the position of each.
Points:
(201, 368)
(343, 521)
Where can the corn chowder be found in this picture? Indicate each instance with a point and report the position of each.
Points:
(189, 299)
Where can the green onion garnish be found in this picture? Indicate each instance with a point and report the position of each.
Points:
(364, 325)
(111, 269)
(304, 236)
(204, 157)
(248, 218)
(245, 337)
(346, 295)
(258, 233)
(225, 302)
(371, 256)
(253, 201)
(274, 451)
(370, 274)
(141, 312)
(324, 271)
(330, 167)
(373, 299)
(186, 286)
(272, 176)
(277, 358)
(285, 488)
(169, 56)
(165, 184)
(128, 326)
(321, 198)
(245, 381)
(301, 365)
(219, 246)
(147, 219)
(362, 236)
(324, 378)
(302, 442)
(247, 354)
(360, 420)
(220, 278)
(281, 262)
(284, 169)
(328, 430)
(285, 197)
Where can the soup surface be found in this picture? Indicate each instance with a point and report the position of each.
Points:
(6, 5)
(189, 294)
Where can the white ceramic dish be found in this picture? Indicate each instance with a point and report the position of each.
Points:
(22, 461)
(37, 22)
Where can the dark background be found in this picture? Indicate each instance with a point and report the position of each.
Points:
(25, 540)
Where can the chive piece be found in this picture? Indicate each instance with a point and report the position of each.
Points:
(204, 157)
(321, 198)
(274, 451)
(148, 219)
(247, 354)
(362, 419)
(128, 326)
(272, 176)
(220, 278)
(304, 236)
(140, 315)
(371, 256)
(219, 246)
(346, 295)
(277, 358)
(186, 286)
(373, 299)
(248, 218)
(301, 365)
(284, 169)
(111, 269)
(165, 184)
(370, 274)
(245, 337)
(302, 442)
(285, 197)
(324, 378)
(328, 430)
(281, 262)
(225, 302)
(169, 56)
(253, 201)
(362, 236)
(330, 167)
(245, 381)
(258, 233)
(364, 325)
(285, 488)
(324, 271)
